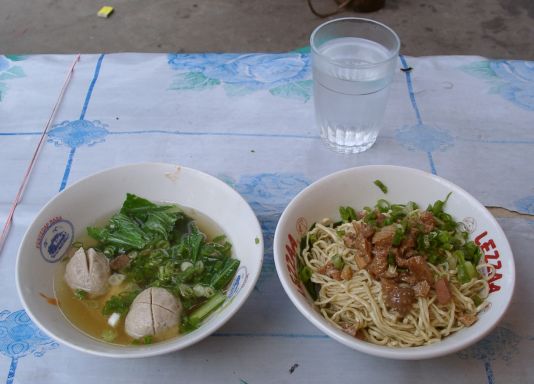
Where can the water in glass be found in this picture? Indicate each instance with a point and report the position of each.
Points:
(350, 92)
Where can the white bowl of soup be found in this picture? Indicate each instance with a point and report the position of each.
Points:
(394, 262)
(139, 260)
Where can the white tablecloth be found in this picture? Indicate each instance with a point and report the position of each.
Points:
(248, 119)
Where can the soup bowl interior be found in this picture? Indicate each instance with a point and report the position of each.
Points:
(65, 218)
(355, 187)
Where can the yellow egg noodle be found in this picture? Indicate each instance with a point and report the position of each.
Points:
(359, 302)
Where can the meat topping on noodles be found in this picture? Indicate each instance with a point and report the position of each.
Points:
(442, 291)
(358, 240)
(417, 277)
(421, 289)
(394, 274)
(398, 298)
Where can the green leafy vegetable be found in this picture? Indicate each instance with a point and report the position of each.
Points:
(121, 234)
(138, 207)
(166, 249)
(139, 224)
(218, 248)
(192, 244)
(222, 278)
(160, 224)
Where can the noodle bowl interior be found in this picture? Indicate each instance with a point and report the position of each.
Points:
(394, 274)
(148, 273)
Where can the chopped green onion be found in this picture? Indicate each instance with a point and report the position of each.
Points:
(381, 185)
(347, 214)
(477, 300)
(109, 335)
(185, 291)
(145, 340)
(462, 274)
(338, 262)
(93, 304)
(383, 205)
(370, 217)
(199, 267)
(163, 244)
(145, 252)
(186, 265)
(470, 269)
(80, 294)
(398, 236)
(433, 258)
(443, 237)
(411, 206)
(202, 291)
(120, 303)
(305, 274)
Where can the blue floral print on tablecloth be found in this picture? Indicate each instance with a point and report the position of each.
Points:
(512, 79)
(268, 194)
(283, 75)
(20, 337)
(8, 71)
(424, 137)
(501, 344)
(76, 133)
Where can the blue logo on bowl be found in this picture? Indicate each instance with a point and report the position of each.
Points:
(239, 281)
(55, 238)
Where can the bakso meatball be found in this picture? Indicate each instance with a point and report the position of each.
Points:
(153, 311)
(88, 271)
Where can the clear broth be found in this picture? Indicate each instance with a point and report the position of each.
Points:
(86, 315)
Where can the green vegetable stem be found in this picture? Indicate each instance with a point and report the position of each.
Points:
(205, 309)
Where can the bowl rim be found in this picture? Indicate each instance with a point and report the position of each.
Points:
(410, 353)
(166, 346)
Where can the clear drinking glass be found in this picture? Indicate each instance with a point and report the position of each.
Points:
(353, 61)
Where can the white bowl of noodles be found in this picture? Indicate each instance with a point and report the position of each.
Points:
(91, 201)
(377, 305)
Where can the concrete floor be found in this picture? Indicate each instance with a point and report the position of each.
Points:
(492, 28)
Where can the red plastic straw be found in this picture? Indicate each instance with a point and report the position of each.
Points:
(22, 188)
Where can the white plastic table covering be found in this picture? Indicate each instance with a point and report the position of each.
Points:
(248, 119)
